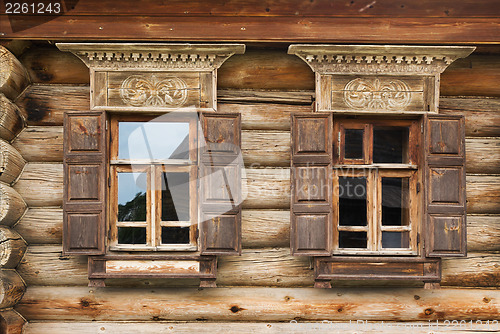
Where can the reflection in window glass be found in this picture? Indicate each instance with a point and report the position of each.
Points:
(132, 197)
(395, 239)
(131, 235)
(349, 239)
(390, 145)
(175, 197)
(354, 143)
(352, 201)
(153, 140)
(174, 235)
(395, 201)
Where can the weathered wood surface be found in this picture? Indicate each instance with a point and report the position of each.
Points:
(388, 8)
(12, 248)
(11, 122)
(13, 76)
(260, 228)
(257, 304)
(11, 163)
(12, 205)
(11, 322)
(44, 265)
(12, 288)
(295, 327)
(268, 188)
(46, 104)
(437, 30)
(259, 148)
(271, 69)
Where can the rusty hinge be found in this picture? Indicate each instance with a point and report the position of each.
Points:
(418, 238)
(418, 187)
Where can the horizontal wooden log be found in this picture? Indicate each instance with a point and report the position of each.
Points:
(11, 322)
(260, 228)
(267, 188)
(12, 205)
(388, 8)
(272, 69)
(292, 327)
(44, 265)
(13, 76)
(11, 122)
(11, 163)
(12, 288)
(259, 148)
(41, 184)
(475, 75)
(12, 248)
(298, 29)
(46, 104)
(482, 118)
(257, 304)
(41, 143)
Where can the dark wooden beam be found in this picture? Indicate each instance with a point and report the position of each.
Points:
(422, 30)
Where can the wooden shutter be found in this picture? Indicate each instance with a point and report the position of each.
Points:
(84, 183)
(311, 184)
(445, 186)
(220, 184)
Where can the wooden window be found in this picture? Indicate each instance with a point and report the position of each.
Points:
(375, 200)
(153, 178)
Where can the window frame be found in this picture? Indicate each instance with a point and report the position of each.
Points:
(154, 170)
(374, 172)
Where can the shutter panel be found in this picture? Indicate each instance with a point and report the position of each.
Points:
(445, 186)
(311, 184)
(84, 183)
(220, 184)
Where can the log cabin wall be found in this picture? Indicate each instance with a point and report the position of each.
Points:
(265, 284)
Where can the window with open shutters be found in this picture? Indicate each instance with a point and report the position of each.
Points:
(378, 177)
(153, 171)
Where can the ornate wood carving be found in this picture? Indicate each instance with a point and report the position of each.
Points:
(376, 70)
(140, 91)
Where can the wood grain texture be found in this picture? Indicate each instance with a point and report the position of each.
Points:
(44, 265)
(260, 110)
(12, 205)
(269, 68)
(13, 77)
(387, 8)
(12, 288)
(11, 122)
(11, 322)
(260, 228)
(299, 327)
(12, 248)
(268, 188)
(252, 304)
(442, 30)
(11, 163)
(260, 148)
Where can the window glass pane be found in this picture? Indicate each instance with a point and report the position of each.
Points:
(132, 235)
(174, 235)
(352, 201)
(153, 140)
(395, 239)
(132, 197)
(175, 197)
(353, 143)
(352, 239)
(395, 201)
(390, 145)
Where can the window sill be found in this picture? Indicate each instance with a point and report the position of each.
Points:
(170, 248)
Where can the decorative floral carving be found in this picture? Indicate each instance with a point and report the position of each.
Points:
(141, 91)
(377, 94)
